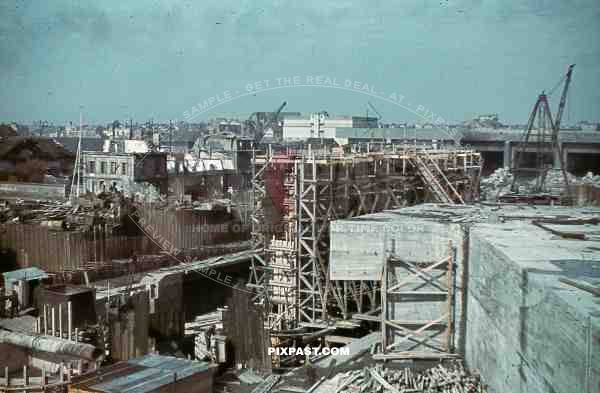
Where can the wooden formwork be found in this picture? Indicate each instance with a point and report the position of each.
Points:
(290, 271)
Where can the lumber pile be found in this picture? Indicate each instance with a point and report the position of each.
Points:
(449, 378)
(268, 384)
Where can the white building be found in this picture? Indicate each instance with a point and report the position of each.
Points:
(314, 125)
(104, 172)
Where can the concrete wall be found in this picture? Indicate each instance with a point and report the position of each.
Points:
(521, 335)
(357, 253)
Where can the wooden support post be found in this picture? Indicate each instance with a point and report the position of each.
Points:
(6, 379)
(45, 319)
(386, 258)
(43, 383)
(62, 372)
(60, 331)
(76, 335)
(25, 377)
(69, 320)
(450, 285)
(53, 332)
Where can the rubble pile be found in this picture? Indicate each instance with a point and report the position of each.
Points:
(142, 192)
(499, 183)
(61, 215)
(451, 378)
(496, 184)
(590, 178)
(555, 182)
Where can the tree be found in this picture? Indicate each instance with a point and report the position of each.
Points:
(32, 171)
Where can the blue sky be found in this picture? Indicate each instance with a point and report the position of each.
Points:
(161, 58)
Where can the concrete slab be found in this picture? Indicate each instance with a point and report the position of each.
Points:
(516, 322)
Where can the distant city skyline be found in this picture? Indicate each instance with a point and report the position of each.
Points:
(457, 59)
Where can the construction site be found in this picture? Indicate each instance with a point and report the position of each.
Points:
(377, 265)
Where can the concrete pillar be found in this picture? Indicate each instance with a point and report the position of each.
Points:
(507, 156)
(556, 157)
(565, 153)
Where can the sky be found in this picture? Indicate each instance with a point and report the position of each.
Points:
(115, 59)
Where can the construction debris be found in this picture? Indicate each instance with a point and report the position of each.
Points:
(209, 343)
(590, 178)
(205, 321)
(268, 384)
(449, 378)
(499, 183)
(250, 377)
(496, 184)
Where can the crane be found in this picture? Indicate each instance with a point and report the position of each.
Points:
(563, 101)
(556, 129)
(379, 117)
(259, 122)
(370, 132)
(548, 132)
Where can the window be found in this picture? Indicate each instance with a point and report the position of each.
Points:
(92, 167)
(123, 168)
(103, 168)
(113, 168)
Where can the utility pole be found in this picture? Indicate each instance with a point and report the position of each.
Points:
(74, 192)
(171, 136)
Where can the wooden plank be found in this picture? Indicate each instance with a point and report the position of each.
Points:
(581, 285)
(339, 339)
(366, 317)
(414, 355)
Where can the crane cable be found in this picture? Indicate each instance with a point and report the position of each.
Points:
(556, 85)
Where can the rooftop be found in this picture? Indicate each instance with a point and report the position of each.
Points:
(398, 133)
(27, 274)
(145, 374)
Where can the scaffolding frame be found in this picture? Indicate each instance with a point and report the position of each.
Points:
(411, 283)
(290, 271)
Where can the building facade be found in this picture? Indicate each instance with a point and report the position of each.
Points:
(106, 172)
(315, 125)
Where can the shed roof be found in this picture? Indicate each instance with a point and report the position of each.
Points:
(27, 274)
(141, 375)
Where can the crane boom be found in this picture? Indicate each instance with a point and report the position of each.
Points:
(375, 110)
(563, 100)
